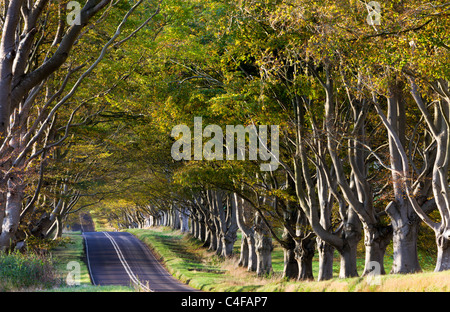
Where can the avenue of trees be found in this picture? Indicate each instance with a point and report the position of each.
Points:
(362, 106)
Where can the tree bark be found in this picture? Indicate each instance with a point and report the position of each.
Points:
(375, 242)
(401, 213)
(184, 220)
(404, 237)
(304, 253)
(351, 235)
(325, 250)
(248, 249)
(7, 55)
(263, 247)
(290, 268)
(443, 253)
(345, 242)
(252, 265)
(230, 235)
(326, 257)
(244, 252)
(11, 220)
(247, 257)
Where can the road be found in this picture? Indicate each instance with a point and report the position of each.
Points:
(119, 258)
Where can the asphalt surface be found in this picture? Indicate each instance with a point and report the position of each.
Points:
(119, 258)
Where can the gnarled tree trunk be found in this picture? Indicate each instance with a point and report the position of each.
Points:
(248, 249)
(304, 253)
(290, 268)
(13, 207)
(263, 247)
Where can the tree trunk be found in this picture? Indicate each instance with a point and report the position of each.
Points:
(219, 238)
(11, 220)
(164, 218)
(375, 247)
(2, 205)
(216, 220)
(184, 220)
(212, 236)
(252, 256)
(194, 227)
(404, 238)
(201, 230)
(325, 250)
(400, 211)
(151, 221)
(247, 256)
(43, 222)
(230, 236)
(263, 247)
(290, 268)
(244, 254)
(351, 236)
(326, 255)
(7, 55)
(443, 255)
(248, 252)
(174, 217)
(442, 196)
(352, 190)
(304, 253)
(228, 241)
(59, 229)
(348, 262)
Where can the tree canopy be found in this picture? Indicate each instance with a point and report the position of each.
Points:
(356, 108)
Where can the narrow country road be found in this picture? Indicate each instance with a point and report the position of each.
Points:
(116, 258)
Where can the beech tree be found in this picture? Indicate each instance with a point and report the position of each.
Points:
(87, 112)
(297, 60)
(36, 43)
(412, 172)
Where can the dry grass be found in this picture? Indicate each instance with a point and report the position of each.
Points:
(419, 282)
(242, 277)
(430, 281)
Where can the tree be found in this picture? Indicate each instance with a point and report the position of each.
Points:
(412, 175)
(36, 43)
(362, 113)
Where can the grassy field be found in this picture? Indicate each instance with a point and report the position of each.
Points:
(186, 259)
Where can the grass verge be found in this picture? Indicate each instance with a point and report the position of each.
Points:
(186, 259)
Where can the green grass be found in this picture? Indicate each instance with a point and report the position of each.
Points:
(183, 257)
(20, 272)
(186, 259)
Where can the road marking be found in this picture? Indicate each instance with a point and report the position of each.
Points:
(87, 257)
(127, 268)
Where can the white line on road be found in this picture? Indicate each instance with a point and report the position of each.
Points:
(87, 257)
(127, 268)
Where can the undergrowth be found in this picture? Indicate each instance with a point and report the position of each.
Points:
(27, 271)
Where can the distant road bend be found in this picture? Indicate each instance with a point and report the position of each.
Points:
(119, 258)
